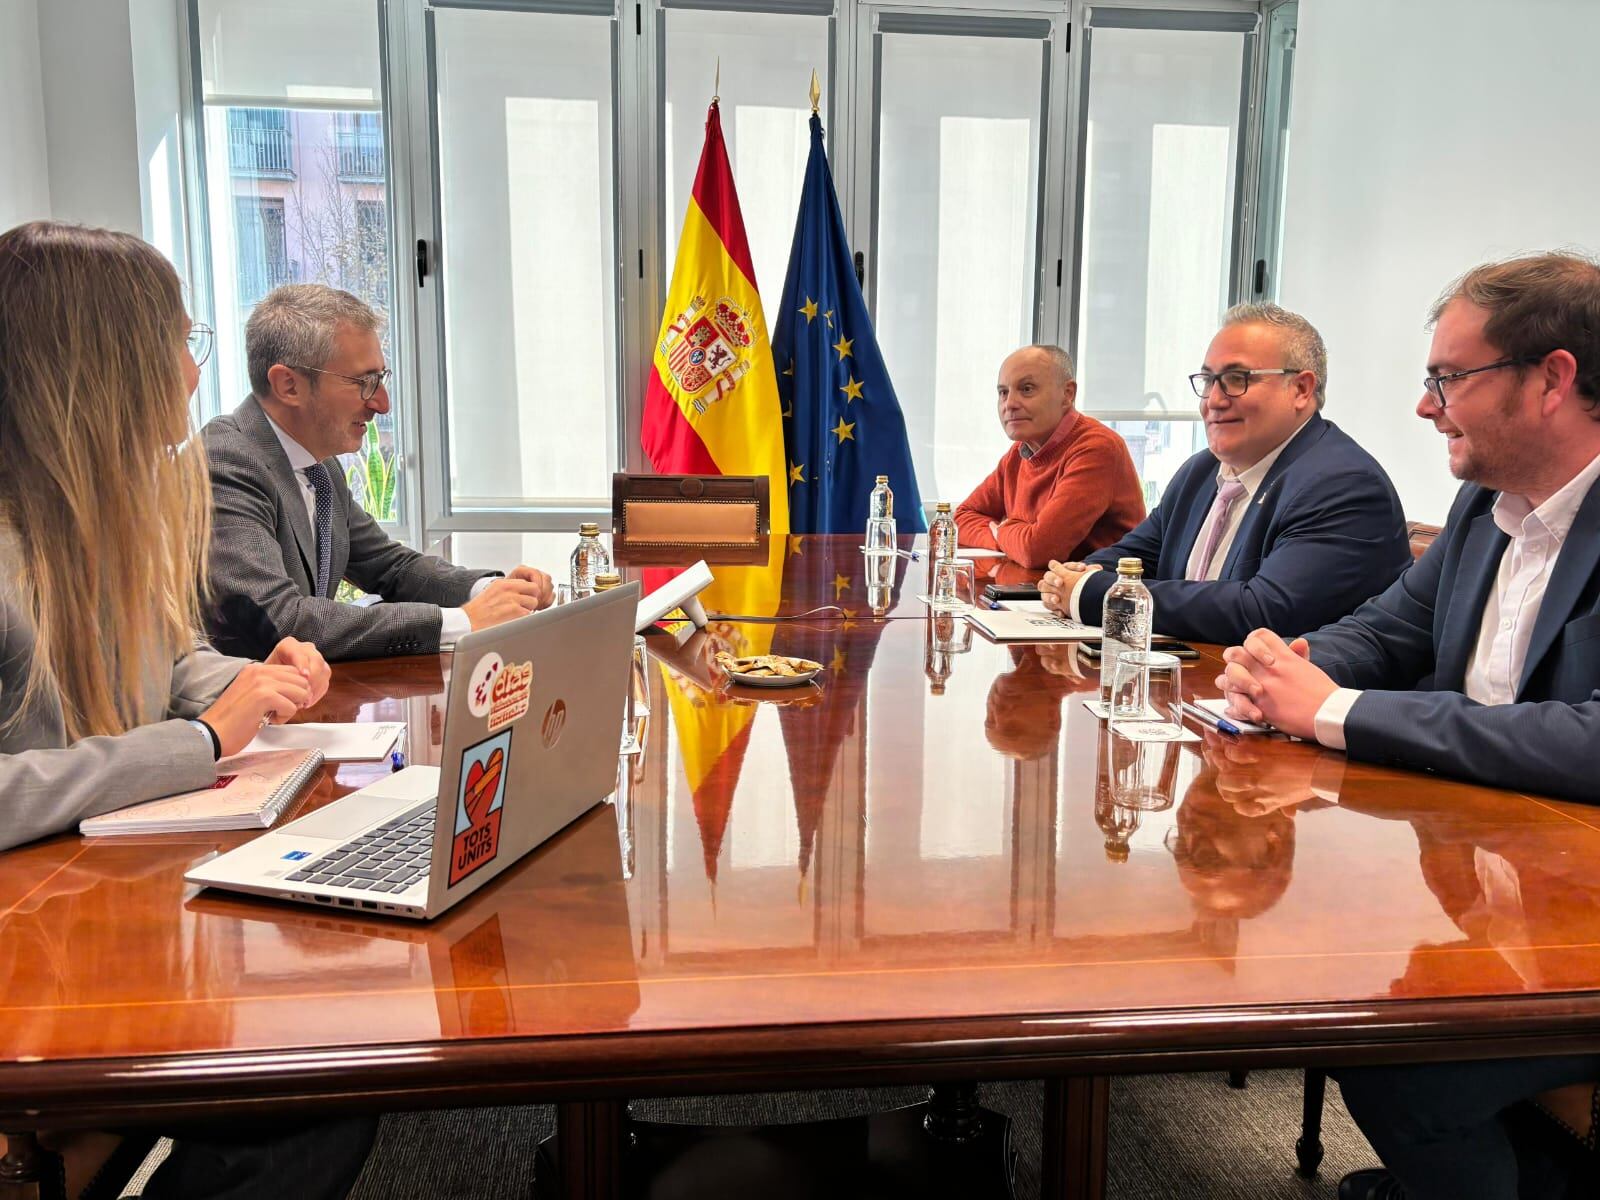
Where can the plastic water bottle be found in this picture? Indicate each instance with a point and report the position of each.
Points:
(588, 559)
(1125, 621)
(881, 506)
(942, 533)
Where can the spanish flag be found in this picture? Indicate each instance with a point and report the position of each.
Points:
(711, 404)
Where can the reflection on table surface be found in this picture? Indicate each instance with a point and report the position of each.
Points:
(937, 828)
(787, 575)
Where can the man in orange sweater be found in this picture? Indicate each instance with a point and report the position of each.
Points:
(1068, 486)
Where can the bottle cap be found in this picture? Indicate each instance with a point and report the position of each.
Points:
(604, 581)
(883, 479)
(1130, 566)
(942, 506)
(589, 529)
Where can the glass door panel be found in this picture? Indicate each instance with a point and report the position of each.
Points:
(958, 160)
(525, 140)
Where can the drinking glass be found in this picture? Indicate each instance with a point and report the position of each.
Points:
(880, 536)
(1147, 697)
(951, 633)
(562, 595)
(955, 585)
(1143, 774)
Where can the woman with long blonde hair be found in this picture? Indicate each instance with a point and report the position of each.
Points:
(106, 695)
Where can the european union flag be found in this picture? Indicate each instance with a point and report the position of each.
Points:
(842, 426)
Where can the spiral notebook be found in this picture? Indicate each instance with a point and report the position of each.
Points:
(251, 792)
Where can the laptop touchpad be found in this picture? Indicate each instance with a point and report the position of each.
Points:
(353, 813)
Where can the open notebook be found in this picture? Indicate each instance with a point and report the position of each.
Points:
(251, 792)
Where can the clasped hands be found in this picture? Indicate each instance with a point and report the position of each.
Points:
(1059, 582)
(1268, 680)
(522, 591)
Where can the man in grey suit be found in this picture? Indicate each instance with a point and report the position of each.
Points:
(286, 530)
(1482, 661)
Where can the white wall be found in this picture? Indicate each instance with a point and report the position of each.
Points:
(1427, 136)
(86, 67)
(155, 44)
(24, 165)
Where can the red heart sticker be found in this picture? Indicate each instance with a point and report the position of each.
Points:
(483, 781)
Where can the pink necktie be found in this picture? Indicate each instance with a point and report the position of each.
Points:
(1217, 522)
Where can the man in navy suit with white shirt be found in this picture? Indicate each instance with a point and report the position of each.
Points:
(1282, 521)
(1481, 662)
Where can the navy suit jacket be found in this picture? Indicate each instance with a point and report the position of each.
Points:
(1408, 649)
(1324, 532)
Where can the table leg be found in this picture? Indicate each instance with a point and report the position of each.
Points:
(591, 1139)
(954, 1114)
(30, 1172)
(1074, 1161)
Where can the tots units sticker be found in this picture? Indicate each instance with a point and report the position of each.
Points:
(480, 793)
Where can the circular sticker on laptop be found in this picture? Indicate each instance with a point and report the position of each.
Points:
(481, 684)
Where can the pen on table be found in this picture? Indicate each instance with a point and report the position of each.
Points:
(911, 554)
(1210, 718)
(397, 760)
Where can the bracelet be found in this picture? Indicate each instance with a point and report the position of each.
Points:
(216, 742)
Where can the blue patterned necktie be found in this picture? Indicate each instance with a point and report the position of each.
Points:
(322, 486)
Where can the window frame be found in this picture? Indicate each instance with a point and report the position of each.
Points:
(1219, 16)
(638, 78)
(209, 401)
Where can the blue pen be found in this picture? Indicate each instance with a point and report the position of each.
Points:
(1210, 718)
(397, 761)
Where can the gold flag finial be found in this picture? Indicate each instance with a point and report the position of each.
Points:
(716, 86)
(816, 92)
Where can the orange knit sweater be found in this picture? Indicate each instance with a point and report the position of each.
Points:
(1078, 493)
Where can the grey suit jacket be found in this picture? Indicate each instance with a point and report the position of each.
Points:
(264, 559)
(46, 785)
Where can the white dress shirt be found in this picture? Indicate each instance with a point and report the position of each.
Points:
(1495, 669)
(1251, 477)
(454, 624)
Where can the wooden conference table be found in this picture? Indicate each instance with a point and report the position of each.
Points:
(934, 867)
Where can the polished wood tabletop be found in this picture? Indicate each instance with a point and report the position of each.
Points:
(933, 860)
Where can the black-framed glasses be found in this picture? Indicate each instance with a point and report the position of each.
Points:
(1434, 384)
(370, 382)
(200, 340)
(1235, 381)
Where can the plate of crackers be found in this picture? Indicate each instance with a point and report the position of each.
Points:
(768, 670)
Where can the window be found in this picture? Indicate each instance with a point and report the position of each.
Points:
(1160, 167)
(263, 248)
(258, 142)
(295, 185)
(526, 149)
(765, 62)
(957, 228)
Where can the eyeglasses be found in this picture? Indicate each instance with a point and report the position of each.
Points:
(200, 340)
(1434, 384)
(370, 382)
(1235, 382)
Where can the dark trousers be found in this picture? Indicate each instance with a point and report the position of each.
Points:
(239, 1160)
(1440, 1127)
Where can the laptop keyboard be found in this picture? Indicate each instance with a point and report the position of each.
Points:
(389, 858)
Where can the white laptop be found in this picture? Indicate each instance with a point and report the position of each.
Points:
(532, 727)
